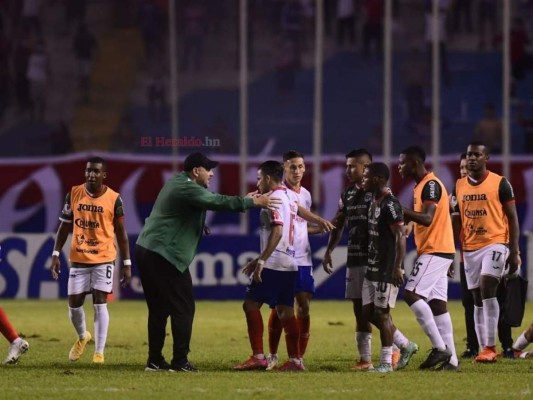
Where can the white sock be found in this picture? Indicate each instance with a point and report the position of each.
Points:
(491, 314)
(399, 339)
(77, 317)
(444, 324)
(364, 345)
(260, 356)
(16, 341)
(424, 316)
(386, 355)
(479, 324)
(521, 343)
(101, 324)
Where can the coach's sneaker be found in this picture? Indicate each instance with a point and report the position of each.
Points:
(363, 365)
(272, 360)
(382, 368)
(469, 353)
(488, 355)
(16, 349)
(508, 353)
(292, 365)
(157, 366)
(406, 354)
(436, 357)
(186, 367)
(251, 364)
(98, 358)
(79, 347)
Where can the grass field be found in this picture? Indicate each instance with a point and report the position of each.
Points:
(220, 341)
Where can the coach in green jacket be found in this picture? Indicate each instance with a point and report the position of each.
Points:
(165, 248)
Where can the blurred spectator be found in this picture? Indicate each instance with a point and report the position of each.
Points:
(421, 129)
(292, 24)
(373, 26)
(153, 30)
(345, 21)
(441, 37)
(38, 75)
(5, 48)
(21, 56)
(195, 30)
(521, 61)
(84, 46)
(218, 13)
(489, 129)
(487, 21)
(308, 13)
(526, 123)
(157, 98)
(75, 12)
(286, 67)
(31, 16)
(330, 12)
(462, 10)
(415, 73)
(60, 140)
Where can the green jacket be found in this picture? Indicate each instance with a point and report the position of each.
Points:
(176, 223)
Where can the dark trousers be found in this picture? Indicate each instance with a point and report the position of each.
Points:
(504, 329)
(168, 293)
(468, 304)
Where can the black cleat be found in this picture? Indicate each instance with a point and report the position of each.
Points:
(448, 367)
(436, 357)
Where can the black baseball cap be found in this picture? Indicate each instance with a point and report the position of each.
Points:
(197, 159)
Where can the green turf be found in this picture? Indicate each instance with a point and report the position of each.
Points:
(219, 342)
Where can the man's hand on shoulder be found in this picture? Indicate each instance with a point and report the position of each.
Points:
(265, 201)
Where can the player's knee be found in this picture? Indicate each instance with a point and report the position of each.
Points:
(410, 297)
(303, 311)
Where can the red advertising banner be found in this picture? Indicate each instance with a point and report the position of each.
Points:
(32, 190)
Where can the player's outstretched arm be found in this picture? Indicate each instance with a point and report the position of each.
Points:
(309, 216)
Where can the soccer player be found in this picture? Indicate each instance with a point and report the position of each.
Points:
(353, 211)
(294, 168)
(485, 209)
(166, 247)
(94, 213)
(426, 291)
(274, 273)
(472, 345)
(17, 345)
(386, 251)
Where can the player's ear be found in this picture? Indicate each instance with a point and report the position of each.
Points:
(104, 174)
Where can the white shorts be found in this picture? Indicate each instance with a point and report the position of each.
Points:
(381, 294)
(489, 260)
(83, 280)
(354, 282)
(429, 277)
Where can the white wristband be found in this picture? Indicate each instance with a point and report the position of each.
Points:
(55, 253)
(127, 262)
(260, 262)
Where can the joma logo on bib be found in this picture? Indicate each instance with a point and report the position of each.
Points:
(90, 208)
